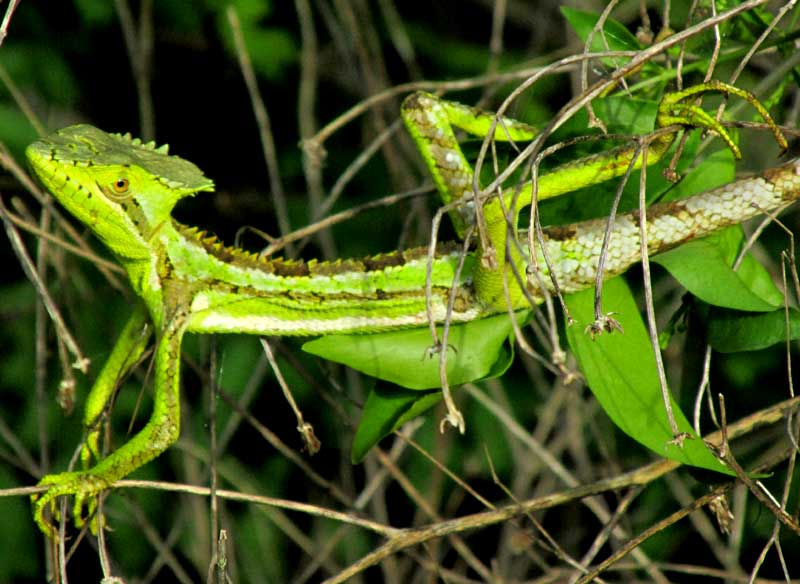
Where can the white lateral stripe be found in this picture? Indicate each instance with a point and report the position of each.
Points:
(271, 325)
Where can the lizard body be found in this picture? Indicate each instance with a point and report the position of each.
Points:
(125, 191)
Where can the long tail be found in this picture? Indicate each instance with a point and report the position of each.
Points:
(574, 250)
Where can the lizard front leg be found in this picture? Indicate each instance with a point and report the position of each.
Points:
(158, 434)
(128, 350)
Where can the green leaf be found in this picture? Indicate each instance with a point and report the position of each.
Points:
(621, 114)
(387, 409)
(732, 331)
(484, 349)
(703, 267)
(476, 350)
(620, 369)
(759, 280)
(715, 170)
(617, 37)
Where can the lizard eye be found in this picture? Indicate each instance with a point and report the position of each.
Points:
(120, 186)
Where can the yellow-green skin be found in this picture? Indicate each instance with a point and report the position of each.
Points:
(124, 191)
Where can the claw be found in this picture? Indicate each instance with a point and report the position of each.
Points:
(84, 486)
(90, 450)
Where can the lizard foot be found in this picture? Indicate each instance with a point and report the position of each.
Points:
(673, 109)
(83, 485)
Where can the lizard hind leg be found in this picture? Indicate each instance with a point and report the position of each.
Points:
(673, 109)
(129, 348)
(430, 120)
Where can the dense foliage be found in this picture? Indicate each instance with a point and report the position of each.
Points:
(171, 71)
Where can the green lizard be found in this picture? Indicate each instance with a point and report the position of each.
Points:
(188, 282)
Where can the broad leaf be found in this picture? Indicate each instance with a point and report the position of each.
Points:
(732, 331)
(387, 409)
(476, 350)
(614, 36)
(620, 369)
(703, 268)
(390, 407)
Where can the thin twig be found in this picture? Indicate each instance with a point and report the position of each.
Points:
(12, 6)
(81, 362)
(139, 46)
(264, 124)
(641, 476)
(652, 326)
(311, 442)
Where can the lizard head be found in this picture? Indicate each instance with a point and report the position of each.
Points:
(120, 187)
